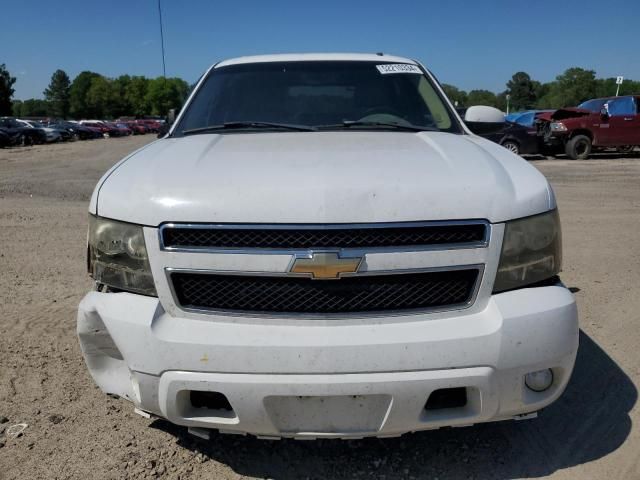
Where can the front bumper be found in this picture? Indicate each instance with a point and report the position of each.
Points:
(309, 379)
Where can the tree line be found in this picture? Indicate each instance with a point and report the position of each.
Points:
(569, 89)
(92, 95)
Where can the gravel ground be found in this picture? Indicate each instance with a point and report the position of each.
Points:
(74, 431)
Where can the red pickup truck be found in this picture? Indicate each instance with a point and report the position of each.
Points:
(612, 122)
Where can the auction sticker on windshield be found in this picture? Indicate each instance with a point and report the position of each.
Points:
(398, 68)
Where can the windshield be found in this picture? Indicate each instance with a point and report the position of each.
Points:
(317, 94)
(593, 105)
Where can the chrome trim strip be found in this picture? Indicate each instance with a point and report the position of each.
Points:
(337, 316)
(348, 251)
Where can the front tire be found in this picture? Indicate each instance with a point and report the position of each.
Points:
(512, 146)
(578, 147)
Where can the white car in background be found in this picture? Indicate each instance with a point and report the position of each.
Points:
(320, 247)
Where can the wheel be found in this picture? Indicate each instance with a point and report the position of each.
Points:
(512, 146)
(578, 147)
(625, 148)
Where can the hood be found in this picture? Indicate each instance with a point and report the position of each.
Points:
(321, 177)
(562, 113)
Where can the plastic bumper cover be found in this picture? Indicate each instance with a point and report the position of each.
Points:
(342, 380)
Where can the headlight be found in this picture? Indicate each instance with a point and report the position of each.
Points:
(531, 251)
(118, 256)
(558, 127)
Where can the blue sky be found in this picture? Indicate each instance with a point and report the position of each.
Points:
(471, 44)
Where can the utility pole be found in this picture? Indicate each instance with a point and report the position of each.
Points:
(164, 69)
(508, 98)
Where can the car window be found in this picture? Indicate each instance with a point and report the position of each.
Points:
(526, 119)
(317, 93)
(621, 106)
(593, 105)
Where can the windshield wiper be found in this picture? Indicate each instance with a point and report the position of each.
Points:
(362, 123)
(248, 125)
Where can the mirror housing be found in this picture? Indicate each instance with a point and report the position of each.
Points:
(482, 119)
(604, 113)
(164, 129)
(166, 126)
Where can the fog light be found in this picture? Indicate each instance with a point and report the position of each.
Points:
(539, 381)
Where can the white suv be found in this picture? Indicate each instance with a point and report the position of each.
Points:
(321, 248)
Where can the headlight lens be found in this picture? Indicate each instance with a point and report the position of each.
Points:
(558, 127)
(118, 256)
(531, 251)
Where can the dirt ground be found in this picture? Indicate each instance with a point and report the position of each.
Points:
(74, 431)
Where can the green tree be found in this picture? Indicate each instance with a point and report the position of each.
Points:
(35, 107)
(482, 97)
(522, 90)
(6, 90)
(501, 102)
(58, 94)
(121, 106)
(136, 96)
(455, 95)
(164, 94)
(569, 89)
(16, 107)
(102, 97)
(78, 95)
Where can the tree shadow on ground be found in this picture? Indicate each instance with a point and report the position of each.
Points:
(588, 422)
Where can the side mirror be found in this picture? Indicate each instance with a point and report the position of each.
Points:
(483, 120)
(163, 129)
(604, 113)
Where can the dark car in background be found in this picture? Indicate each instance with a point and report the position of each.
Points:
(597, 124)
(76, 130)
(20, 134)
(122, 128)
(519, 139)
(516, 138)
(5, 139)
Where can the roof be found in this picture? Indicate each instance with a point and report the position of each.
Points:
(302, 57)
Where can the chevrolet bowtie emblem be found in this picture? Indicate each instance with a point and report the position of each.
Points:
(325, 265)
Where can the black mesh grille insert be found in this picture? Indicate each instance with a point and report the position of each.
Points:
(302, 295)
(322, 237)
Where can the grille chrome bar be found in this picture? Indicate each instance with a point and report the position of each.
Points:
(288, 238)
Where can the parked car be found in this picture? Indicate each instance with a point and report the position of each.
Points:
(321, 248)
(76, 130)
(514, 137)
(152, 125)
(53, 134)
(526, 119)
(612, 122)
(21, 134)
(5, 139)
(136, 128)
(107, 130)
(122, 128)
